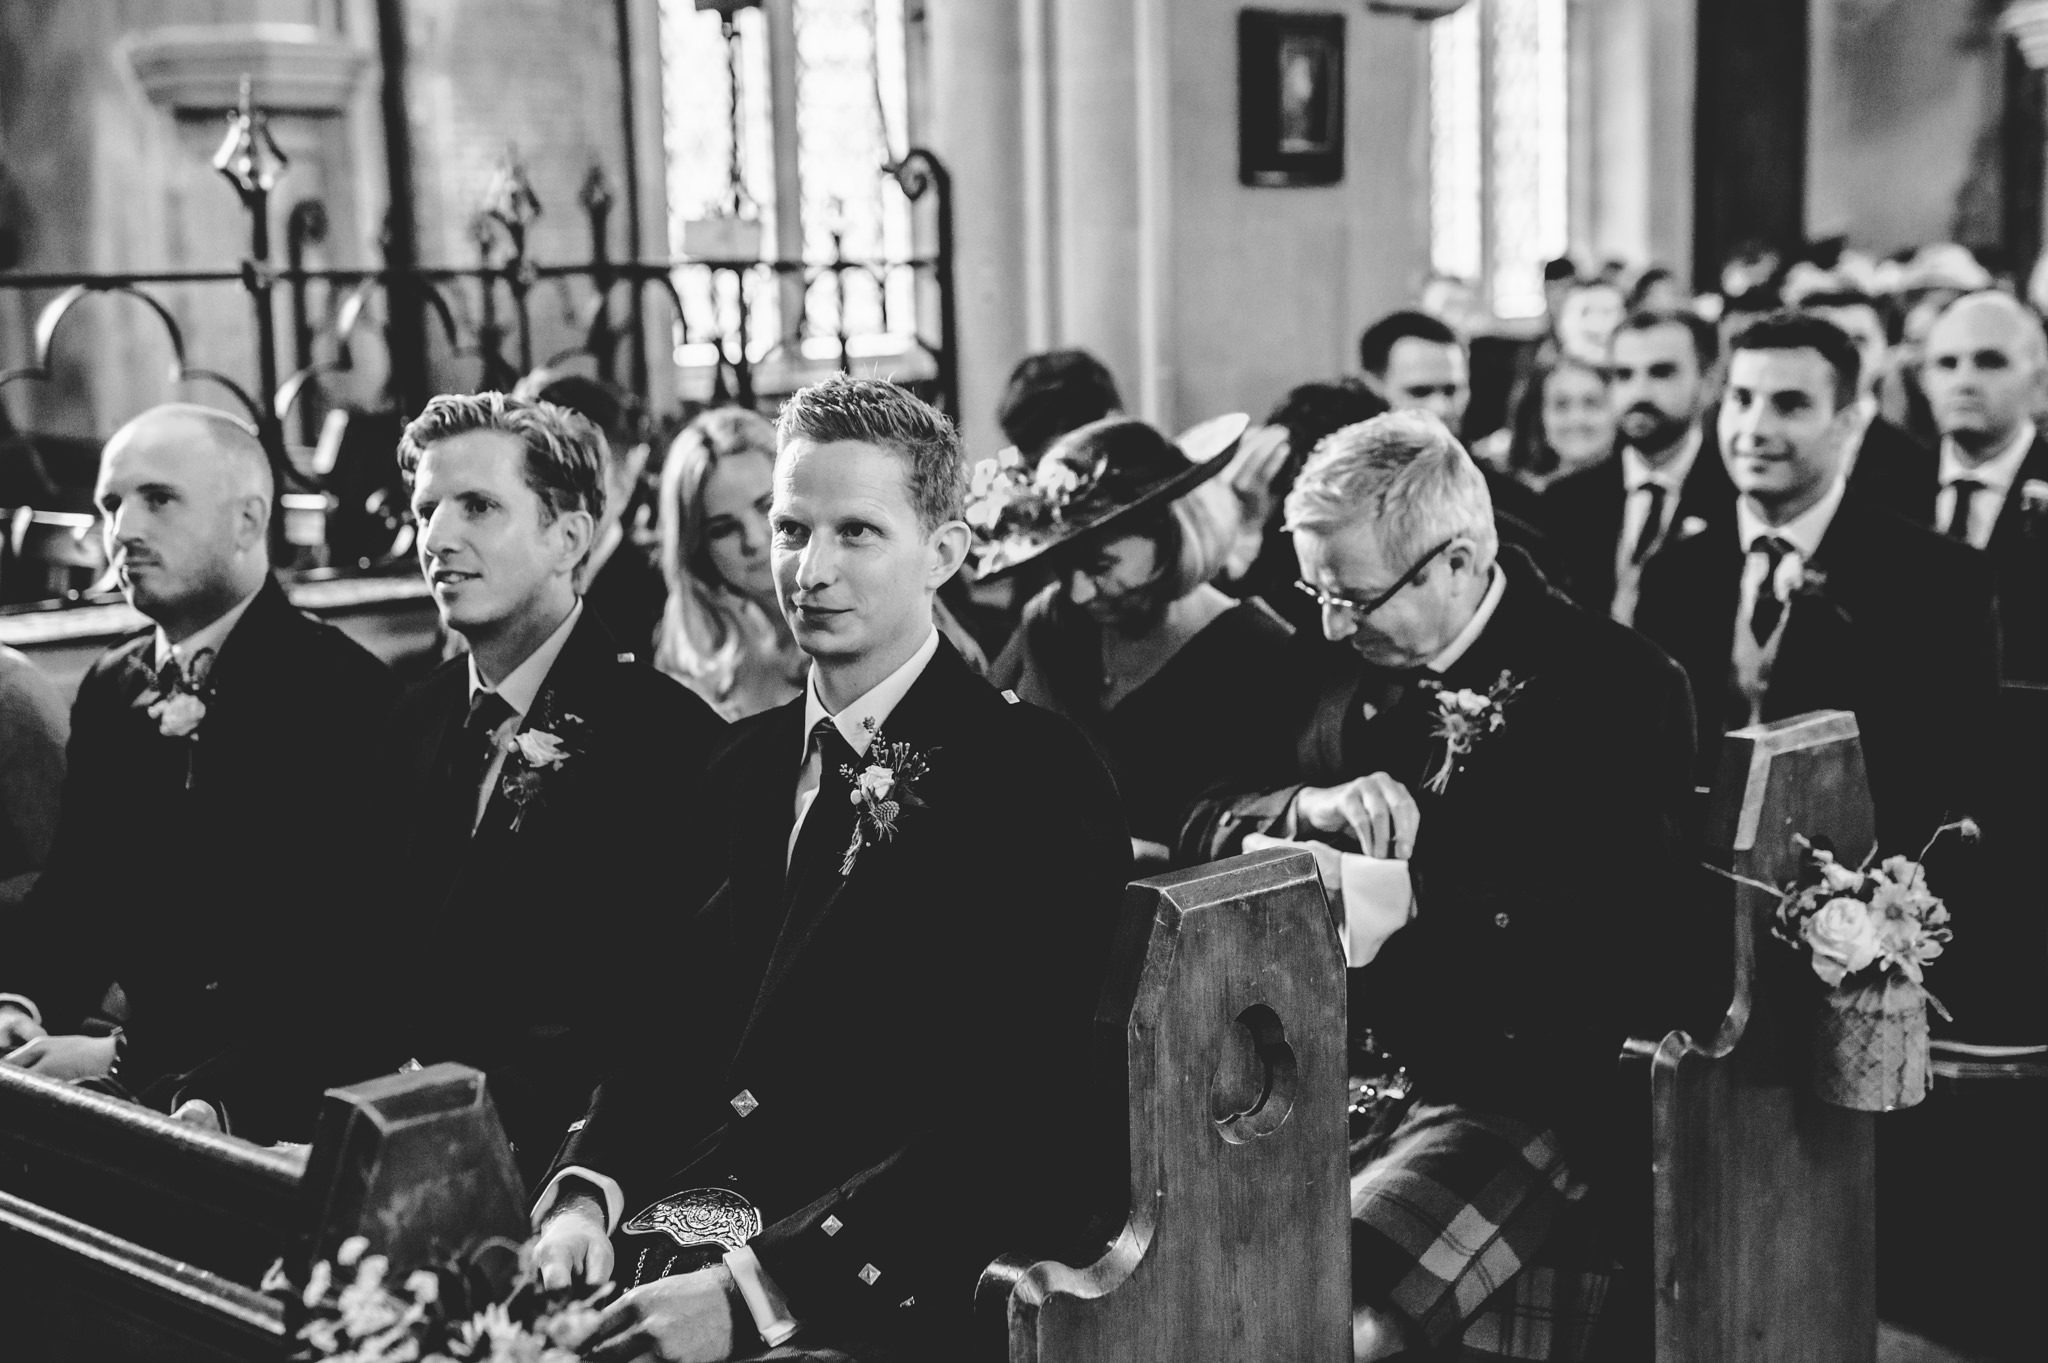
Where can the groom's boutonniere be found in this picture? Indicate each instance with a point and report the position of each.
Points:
(1465, 717)
(180, 704)
(530, 755)
(882, 790)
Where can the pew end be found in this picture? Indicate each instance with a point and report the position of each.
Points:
(1762, 1199)
(127, 1235)
(1222, 1034)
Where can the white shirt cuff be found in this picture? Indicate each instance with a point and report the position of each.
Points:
(26, 1005)
(1379, 899)
(765, 1302)
(614, 1196)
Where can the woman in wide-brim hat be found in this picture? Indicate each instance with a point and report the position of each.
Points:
(1167, 675)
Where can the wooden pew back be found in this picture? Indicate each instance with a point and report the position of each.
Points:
(126, 1235)
(1224, 1022)
(1764, 1220)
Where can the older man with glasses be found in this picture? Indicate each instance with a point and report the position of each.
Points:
(1487, 797)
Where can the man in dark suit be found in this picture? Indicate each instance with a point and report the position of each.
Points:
(544, 773)
(1884, 464)
(1988, 486)
(621, 582)
(888, 995)
(1606, 521)
(1490, 885)
(1813, 599)
(218, 775)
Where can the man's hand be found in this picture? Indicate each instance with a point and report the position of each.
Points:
(684, 1319)
(1376, 810)
(198, 1112)
(572, 1245)
(64, 1057)
(17, 1027)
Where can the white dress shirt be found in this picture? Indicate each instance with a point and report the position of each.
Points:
(1804, 533)
(1636, 474)
(1997, 473)
(520, 689)
(879, 702)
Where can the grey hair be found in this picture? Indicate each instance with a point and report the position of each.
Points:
(1402, 473)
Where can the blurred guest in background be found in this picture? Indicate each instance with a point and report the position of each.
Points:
(1881, 461)
(722, 632)
(33, 731)
(1051, 393)
(1170, 679)
(621, 582)
(1562, 423)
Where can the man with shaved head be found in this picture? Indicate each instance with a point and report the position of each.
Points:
(1983, 371)
(216, 771)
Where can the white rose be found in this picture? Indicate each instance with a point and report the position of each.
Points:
(178, 716)
(540, 748)
(1791, 576)
(1471, 702)
(877, 782)
(1843, 938)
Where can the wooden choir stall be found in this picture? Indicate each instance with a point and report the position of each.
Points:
(1749, 1234)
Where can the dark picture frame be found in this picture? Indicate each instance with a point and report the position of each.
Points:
(1290, 90)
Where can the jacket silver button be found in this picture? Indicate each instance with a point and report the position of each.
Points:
(1500, 920)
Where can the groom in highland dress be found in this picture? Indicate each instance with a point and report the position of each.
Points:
(802, 1156)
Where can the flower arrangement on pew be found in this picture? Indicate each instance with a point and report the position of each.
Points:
(1870, 932)
(470, 1311)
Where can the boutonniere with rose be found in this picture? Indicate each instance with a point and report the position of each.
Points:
(533, 753)
(179, 701)
(1463, 718)
(882, 791)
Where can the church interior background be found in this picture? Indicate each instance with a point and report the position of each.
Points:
(317, 213)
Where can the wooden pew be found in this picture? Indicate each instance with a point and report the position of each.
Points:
(125, 1235)
(1762, 1199)
(1223, 1039)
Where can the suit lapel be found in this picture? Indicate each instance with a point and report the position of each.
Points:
(2009, 532)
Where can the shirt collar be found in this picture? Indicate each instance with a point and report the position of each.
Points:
(1636, 470)
(1996, 473)
(878, 704)
(1803, 532)
(1460, 646)
(211, 636)
(521, 686)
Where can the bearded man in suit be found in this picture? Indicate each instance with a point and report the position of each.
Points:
(1816, 599)
(1606, 521)
(542, 772)
(1489, 887)
(218, 776)
(825, 1099)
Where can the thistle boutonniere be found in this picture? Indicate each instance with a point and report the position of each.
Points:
(530, 755)
(179, 704)
(1465, 717)
(882, 791)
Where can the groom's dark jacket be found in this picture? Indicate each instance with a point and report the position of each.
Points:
(530, 952)
(213, 902)
(1548, 874)
(913, 1033)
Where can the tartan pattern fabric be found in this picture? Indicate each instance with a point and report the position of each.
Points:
(1448, 1208)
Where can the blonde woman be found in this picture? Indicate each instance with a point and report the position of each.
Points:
(722, 634)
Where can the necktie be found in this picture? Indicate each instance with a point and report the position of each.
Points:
(473, 749)
(1653, 525)
(1770, 607)
(1965, 490)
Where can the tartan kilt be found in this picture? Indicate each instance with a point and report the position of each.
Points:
(1463, 1225)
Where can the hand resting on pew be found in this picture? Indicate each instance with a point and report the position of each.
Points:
(64, 1057)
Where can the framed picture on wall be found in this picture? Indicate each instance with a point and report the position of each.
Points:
(1290, 92)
